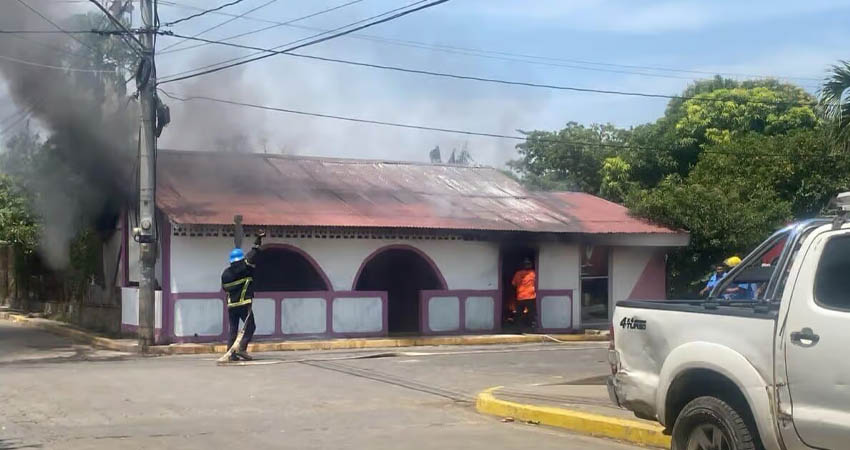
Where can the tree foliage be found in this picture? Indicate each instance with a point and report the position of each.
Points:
(729, 161)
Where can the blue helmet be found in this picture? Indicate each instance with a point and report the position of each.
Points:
(236, 255)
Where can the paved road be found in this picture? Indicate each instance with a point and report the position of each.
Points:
(61, 396)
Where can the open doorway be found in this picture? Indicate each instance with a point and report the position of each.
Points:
(513, 256)
(403, 273)
(285, 269)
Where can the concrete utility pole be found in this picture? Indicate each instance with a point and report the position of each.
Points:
(146, 84)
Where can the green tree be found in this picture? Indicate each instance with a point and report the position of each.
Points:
(835, 99)
(616, 184)
(740, 191)
(570, 159)
(18, 225)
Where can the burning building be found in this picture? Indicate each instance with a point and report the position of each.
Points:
(371, 248)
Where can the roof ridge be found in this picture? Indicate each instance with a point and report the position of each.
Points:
(323, 158)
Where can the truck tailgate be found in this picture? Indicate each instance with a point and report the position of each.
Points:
(646, 333)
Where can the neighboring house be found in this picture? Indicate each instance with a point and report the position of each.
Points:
(368, 248)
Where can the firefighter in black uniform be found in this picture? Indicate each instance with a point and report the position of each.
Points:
(238, 281)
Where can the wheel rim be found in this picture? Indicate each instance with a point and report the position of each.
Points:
(708, 437)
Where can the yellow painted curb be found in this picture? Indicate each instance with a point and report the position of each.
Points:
(63, 329)
(580, 422)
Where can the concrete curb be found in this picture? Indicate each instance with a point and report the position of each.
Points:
(365, 343)
(577, 421)
(78, 335)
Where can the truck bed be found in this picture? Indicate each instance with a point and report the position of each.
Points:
(648, 333)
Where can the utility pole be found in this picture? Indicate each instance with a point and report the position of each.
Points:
(146, 85)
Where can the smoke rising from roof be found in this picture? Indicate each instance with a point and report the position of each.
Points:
(82, 170)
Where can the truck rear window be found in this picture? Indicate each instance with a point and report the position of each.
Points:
(832, 280)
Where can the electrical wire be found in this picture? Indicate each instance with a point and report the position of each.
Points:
(125, 32)
(207, 30)
(55, 25)
(276, 25)
(514, 56)
(217, 8)
(20, 119)
(288, 52)
(48, 66)
(240, 58)
(454, 130)
(311, 42)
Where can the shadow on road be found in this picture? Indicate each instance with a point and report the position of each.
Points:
(6, 444)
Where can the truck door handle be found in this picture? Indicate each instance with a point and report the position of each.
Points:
(806, 334)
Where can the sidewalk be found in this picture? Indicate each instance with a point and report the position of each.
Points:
(131, 345)
(583, 409)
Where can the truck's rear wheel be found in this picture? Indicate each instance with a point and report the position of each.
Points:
(708, 423)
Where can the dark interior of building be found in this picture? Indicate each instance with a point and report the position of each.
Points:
(512, 258)
(403, 274)
(281, 269)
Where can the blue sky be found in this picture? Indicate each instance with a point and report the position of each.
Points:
(794, 39)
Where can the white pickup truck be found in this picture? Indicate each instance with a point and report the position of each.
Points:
(770, 372)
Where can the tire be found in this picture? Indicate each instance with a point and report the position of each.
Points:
(707, 421)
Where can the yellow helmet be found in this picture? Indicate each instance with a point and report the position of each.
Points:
(732, 261)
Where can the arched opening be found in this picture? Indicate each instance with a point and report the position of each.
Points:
(285, 268)
(403, 272)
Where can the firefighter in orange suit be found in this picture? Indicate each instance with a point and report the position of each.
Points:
(525, 282)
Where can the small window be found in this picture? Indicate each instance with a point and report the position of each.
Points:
(832, 281)
(594, 285)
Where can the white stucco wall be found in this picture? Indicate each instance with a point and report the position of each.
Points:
(558, 266)
(627, 265)
(197, 262)
(357, 315)
(130, 307)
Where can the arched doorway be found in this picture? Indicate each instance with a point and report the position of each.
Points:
(403, 272)
(282, 268)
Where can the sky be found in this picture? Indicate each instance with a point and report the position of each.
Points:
(600, 44)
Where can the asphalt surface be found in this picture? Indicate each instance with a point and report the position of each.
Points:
(56, 395)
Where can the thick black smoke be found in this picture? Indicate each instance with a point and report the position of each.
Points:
(84, 173)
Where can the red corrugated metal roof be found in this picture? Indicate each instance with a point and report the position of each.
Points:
(210, 188)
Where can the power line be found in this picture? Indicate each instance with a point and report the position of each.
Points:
(288, 52)
(207, 30)
(276, 25)
(311, 42)
(240, 58)
(446, 130)
(207, 11)
(121, 27)
(48, 66)
(40, 44)
(55, 25)
(69, 32)
(540, 58)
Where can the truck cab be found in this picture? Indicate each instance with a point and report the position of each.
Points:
(768, 371)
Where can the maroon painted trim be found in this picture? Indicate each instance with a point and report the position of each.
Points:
(125, 243)
(279, 297)
(305, 255)
(463, 295)
(384, 296)
(651, 285)
(167, 300)
(539, 302)
(500, 299)
(419, 252)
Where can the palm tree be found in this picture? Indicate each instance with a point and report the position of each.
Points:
(834, 101)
